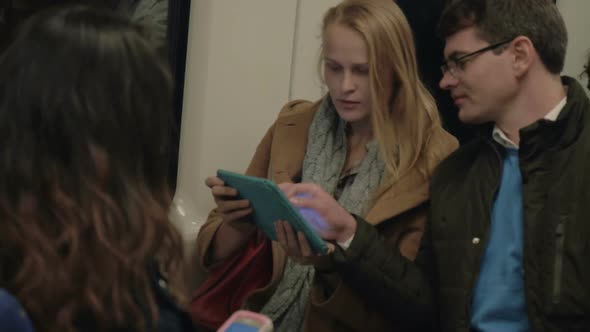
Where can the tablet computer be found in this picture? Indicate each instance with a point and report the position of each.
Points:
(269, 204)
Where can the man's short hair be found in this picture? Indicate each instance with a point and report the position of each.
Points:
(498, 20)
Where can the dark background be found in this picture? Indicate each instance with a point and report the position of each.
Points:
(423, 17)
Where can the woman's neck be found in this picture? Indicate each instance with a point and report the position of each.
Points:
(360, 131)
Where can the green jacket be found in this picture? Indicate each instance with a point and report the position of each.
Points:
(436, 292)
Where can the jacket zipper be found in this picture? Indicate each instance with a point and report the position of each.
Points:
(558, 261)
(484, 243)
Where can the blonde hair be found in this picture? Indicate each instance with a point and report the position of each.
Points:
(403, 124)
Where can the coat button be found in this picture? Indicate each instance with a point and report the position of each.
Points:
(475, 240)
(162, 283)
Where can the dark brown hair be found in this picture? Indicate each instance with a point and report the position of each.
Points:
(84, 111)
(498, 20)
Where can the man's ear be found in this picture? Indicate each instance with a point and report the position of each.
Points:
(523, 52)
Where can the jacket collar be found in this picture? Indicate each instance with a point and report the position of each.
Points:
(545, 134)
(556, 135)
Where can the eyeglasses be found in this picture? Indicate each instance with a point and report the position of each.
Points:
(456, 66)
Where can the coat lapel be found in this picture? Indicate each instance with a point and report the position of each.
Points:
(407, 193)
(290, 140)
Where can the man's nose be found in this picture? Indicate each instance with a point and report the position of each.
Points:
(448, 81)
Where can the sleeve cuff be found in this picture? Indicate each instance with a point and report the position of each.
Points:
(344, 245)
(358, 243)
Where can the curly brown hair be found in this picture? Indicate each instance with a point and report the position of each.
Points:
(84, 124)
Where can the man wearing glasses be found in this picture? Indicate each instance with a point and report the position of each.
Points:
(510, 226)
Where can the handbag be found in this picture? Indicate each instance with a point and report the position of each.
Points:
(231, 282)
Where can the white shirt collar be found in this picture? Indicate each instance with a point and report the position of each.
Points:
(554, 113)
(500, 137)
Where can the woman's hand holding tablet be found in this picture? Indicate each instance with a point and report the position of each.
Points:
(269, 205)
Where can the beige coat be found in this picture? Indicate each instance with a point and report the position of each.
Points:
(399, 212)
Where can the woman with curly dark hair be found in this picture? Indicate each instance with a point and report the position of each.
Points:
(85, 238)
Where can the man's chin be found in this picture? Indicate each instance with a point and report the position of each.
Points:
(470, 117)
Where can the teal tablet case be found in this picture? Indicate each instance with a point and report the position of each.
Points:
(269, 204)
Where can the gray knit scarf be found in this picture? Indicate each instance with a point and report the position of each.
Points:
(323, 163)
